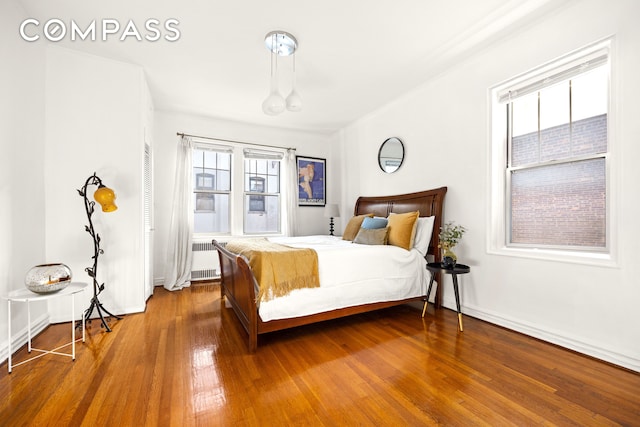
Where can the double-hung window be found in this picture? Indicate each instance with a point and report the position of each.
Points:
(212, 189)
(550, 157)
(262, 201)
(236, 190)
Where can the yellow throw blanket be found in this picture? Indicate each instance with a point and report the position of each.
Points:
(279, 269)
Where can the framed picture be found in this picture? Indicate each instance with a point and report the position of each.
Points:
(312, 182)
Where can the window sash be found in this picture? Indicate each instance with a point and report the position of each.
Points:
(266, 177)
(264, 215)
(555, 228)
(573, 138)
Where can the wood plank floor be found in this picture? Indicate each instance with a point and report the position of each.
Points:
(184, 363)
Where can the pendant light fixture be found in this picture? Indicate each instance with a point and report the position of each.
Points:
(281, 43)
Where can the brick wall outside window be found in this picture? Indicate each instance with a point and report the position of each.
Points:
(560, 204)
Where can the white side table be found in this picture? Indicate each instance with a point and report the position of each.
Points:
(25, 295)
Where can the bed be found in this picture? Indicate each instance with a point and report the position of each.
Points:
(334, 298)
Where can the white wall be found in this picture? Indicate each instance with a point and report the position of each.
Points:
(444, 125)
(64, 115)
(95, 109)
(167, 124)
(22, 210)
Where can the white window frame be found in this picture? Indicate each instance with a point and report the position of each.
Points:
(204, 191)
(498, 206)
(237, 193)
(279, 156)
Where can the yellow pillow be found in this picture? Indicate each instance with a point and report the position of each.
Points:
(402, 229)
(352, 228)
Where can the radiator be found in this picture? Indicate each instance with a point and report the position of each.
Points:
(206, 265)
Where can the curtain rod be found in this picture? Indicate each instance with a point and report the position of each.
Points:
(235, 142)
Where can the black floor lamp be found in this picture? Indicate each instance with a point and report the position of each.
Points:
(106, 197)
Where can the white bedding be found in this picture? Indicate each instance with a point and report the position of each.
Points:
(350, 274)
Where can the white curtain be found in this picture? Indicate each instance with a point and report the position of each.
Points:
(291, 192)
(177, 274)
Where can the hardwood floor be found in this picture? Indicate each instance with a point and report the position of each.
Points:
(185, 363)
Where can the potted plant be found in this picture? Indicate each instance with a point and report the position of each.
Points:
(450, 235)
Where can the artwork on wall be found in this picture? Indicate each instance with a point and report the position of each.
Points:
(311, 181)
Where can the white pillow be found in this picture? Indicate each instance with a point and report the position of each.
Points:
(423, 234)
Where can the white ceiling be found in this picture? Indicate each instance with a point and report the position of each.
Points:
(353, 57)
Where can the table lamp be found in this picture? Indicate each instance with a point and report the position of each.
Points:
(331, 211)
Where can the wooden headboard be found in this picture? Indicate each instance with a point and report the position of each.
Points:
(428, 203)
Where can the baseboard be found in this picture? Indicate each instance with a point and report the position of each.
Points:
(123, 312)
(549, 336)
(160, 281)
(21, 337)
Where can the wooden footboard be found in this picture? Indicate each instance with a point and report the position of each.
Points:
(239, 287)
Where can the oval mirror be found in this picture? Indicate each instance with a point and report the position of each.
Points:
(391, 155)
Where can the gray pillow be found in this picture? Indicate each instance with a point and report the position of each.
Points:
(372, 236)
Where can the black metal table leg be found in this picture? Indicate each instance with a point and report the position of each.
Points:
(455, 289)
(426, 301)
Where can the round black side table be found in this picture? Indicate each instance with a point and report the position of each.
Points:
(435, 267)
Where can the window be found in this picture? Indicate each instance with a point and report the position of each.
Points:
(262, 192)
(212, 182)
(550, 152)
(227, 179)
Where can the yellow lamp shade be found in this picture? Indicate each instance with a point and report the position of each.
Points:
(106, 197)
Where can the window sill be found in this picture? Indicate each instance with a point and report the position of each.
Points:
(229, 236)
(574, 257)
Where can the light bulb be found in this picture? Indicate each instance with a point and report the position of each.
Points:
(274, 104)
(294, 102)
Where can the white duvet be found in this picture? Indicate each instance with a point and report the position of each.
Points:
(350, 274)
